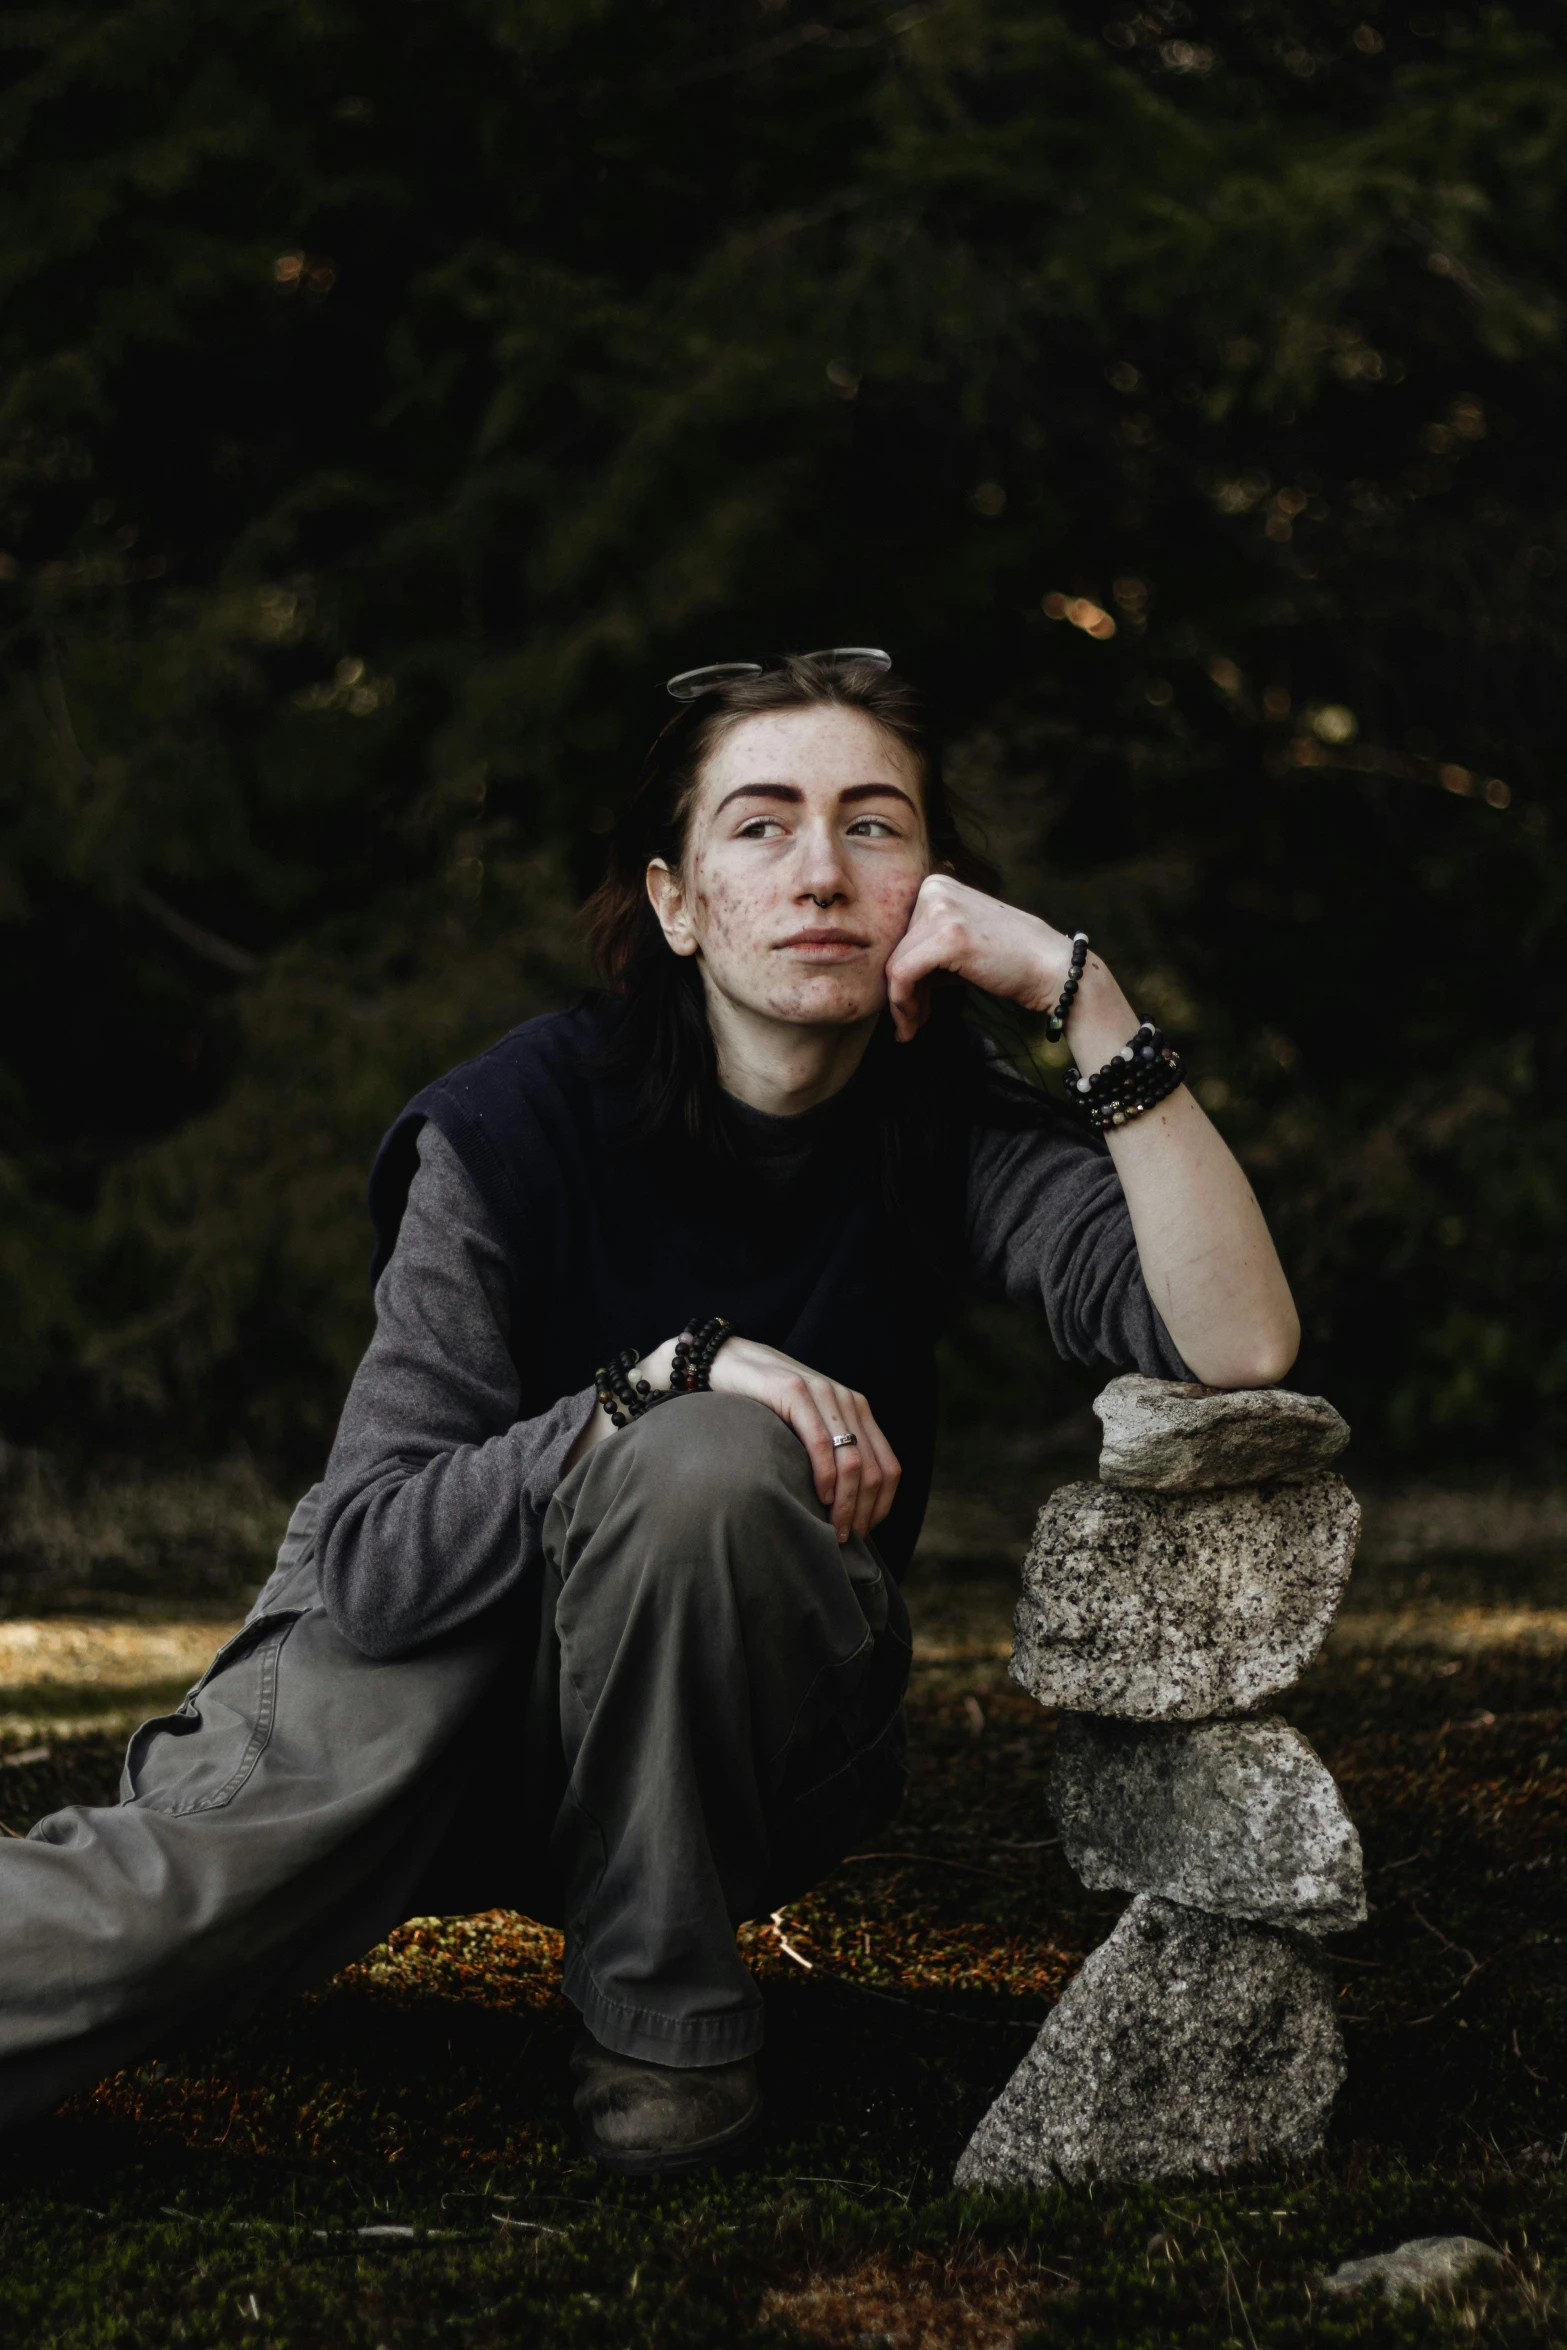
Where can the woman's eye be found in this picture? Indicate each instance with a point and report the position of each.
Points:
(873, 828)
(760, 828)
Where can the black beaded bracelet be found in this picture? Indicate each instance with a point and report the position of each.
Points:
(1123, 1068)
(695, 1350)
(1055, 1022)
(1152, 1090)
(624, 1399)
(1141, 1074)
(1123, 1074)
(617, 1396)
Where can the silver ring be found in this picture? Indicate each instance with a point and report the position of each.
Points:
(839, 1442)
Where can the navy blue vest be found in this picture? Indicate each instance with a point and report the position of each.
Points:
(615, 1246)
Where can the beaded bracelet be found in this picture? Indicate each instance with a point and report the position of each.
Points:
(624, 1399)
(690, 1372)
(1153, 1089)
(1055, 1022)
(1126, 1075)
(1141, 1074)
(1123, 1068)
(1118, 1108)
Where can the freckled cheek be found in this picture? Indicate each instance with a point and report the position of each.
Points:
(891, 905)
(729, 917)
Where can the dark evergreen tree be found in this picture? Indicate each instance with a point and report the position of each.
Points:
(392, 397)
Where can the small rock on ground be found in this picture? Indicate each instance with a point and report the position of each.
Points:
(1175, 1607)
(1425, 2264)
(1236, 1817)
(1184, 2046)
(1171, 1436)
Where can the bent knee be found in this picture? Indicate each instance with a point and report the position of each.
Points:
(709, 1456)
(705, 1462)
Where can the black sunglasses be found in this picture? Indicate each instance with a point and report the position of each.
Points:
(693, 682)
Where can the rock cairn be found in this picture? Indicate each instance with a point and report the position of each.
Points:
(1161, 1608)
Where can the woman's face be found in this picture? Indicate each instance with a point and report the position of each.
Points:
(804, 852)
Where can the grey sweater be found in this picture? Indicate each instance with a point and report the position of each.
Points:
(435, 1492)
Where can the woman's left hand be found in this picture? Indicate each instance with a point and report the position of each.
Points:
(995, 947)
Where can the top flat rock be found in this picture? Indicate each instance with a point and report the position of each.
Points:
(1172, 1436)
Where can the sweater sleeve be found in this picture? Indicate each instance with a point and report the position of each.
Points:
(434, 1497)
(1048, 1227)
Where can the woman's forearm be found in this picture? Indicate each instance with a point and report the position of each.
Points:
(1207, 1256)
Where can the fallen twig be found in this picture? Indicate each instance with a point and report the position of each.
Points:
(786, 1946)
(1232, 2287)
(1476, 1966)
(974, 2023)
(1446, 1941)
(400, 2233)
(937, 1860)
(1523, 2060)
(854, 2186)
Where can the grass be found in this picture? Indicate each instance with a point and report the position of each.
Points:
(233, 2194)
(110, 1537)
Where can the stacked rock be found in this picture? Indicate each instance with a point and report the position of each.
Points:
(1161, 1608)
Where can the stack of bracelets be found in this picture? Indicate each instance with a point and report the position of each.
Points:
(1136, 1077)
(625, 1399)
(1139, 1075)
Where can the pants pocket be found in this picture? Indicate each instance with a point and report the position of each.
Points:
(199, 1757)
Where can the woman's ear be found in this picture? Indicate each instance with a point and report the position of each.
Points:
(668, 901)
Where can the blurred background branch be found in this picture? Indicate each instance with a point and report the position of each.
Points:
(392, 398)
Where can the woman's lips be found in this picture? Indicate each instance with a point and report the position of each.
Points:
(823, 946)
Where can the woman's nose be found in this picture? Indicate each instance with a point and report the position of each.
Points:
(824, 869)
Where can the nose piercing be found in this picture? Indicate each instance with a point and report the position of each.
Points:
(824, 903)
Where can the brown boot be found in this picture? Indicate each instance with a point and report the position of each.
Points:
(646, 2120)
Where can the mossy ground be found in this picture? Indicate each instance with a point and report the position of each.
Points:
(224, 2196)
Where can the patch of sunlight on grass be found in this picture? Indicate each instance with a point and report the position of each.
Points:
(63, 1676)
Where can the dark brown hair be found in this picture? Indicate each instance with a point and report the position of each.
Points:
(661, 1037)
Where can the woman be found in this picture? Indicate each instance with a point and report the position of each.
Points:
(595, 1612)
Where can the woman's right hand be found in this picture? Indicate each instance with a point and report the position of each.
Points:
(856, 1483)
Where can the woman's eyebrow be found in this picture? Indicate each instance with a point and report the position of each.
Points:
(761, 791)
(877, 791)
(792, 792)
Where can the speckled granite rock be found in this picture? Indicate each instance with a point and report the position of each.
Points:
(1163, 1436)
(1171, 1607)
(1185, 2045)
(1236, 1817)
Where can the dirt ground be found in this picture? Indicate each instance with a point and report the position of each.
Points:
(389, 2161)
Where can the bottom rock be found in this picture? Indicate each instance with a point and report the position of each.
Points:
(1185, 2044)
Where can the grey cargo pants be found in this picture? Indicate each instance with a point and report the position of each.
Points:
(692, 1714)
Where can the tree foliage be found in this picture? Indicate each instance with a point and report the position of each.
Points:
(392, 397)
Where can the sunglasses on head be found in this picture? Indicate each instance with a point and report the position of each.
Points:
(694, 682)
